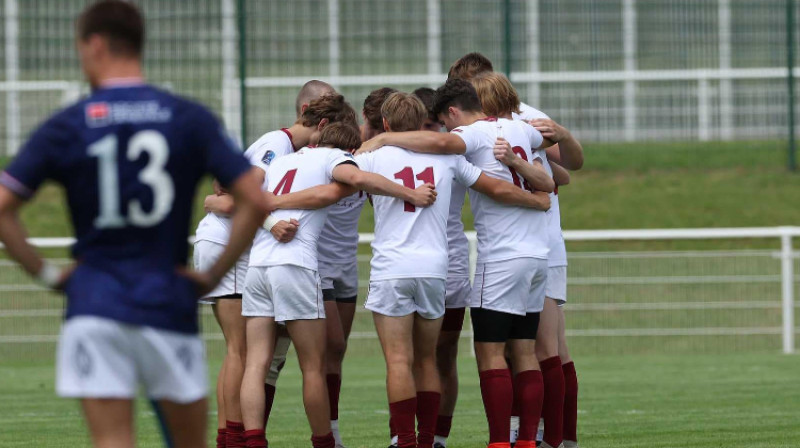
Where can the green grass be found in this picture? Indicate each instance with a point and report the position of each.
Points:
(635, 401)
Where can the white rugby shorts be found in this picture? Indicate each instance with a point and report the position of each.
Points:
(206, 253)
(457, 291)
(342, 278)
(285, 292)
(102, 358)
(401, 297)
(514, 286)
(557, 284)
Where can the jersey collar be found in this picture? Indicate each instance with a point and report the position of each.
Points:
(289, 134)
(112, 83)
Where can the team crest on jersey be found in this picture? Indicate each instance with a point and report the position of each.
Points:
(97, 114)
(348, 155)
(268, 157)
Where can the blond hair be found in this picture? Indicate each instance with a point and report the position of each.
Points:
(498, 97)
(404, 112)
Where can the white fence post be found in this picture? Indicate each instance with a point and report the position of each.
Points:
(334, 54)
(532, 25)
(787, 290)
(725, 84)
(12, 76)
(434, 37)
(703, 110)
(629, 51)
(231, 101)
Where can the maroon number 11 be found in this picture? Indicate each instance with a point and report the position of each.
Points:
(407, 176)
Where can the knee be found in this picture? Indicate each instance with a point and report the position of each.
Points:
(336, 348)
(400, 362)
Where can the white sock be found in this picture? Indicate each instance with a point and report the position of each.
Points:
(394, 440)
(335, 431)
(514, 429)
(440, 440)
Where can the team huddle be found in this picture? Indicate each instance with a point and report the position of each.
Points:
(276, 254)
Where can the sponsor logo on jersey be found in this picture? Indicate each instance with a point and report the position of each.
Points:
(135, 112)
(269, 156)
(97, 114)
(349, 156)
(457, 130)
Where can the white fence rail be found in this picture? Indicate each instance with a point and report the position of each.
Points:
(656, 298)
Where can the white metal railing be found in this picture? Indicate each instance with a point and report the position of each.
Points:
(786, 278)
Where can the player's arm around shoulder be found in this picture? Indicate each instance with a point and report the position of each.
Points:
(509, 194)
(376, 184)
(533, 172)
(313, 198)
(570, 151)
(427, 142)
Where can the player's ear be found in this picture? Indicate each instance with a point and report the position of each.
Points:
(386, 125)
(452, 112)
(303, 108)
(322, 124)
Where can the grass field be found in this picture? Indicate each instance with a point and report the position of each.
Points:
(636, 401)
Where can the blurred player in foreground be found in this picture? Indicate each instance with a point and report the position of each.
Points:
(560, 410)
(213, 233)
(409, 267)
(130, 157)
(283, 285)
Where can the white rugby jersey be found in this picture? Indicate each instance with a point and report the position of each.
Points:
(411, 242)
(457, 243)
(558, 250)
(504, 231)
(338, 242)
(304, 169)
(273, 144)
(528, 113)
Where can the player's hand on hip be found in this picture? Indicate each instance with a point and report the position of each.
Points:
(550, 129)
(284, 231)
(424, 195)
(503, 152)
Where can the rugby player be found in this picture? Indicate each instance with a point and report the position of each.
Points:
(212, 234)
(282, 283)
(130, 157)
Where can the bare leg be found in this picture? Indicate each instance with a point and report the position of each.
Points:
(426, 332)
(308, 337)
(336, 341)
(110, 422)
(229, 312)
(260, 345)
(186, 423)
(347, 313)
(447, 361)
(563, 349)
(221, 419)
(547, 336)
(395, 334)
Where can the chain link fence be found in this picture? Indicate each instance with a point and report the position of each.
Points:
(611, 70)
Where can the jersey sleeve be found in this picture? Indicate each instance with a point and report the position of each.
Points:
(466, 173)
(336, 158)
(534, 136)
(366, 161)
(34, 163)
(223, 158)
(471, 137)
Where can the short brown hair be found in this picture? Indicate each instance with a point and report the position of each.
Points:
(331, 106)
(119, 22)
(310, 91)
(426, 94)
(404, 112)
(470, 65)
(342, 135)
(456, 93)
(498, 97)
(372, 107)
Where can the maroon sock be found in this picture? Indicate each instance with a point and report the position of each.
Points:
(255, 438)
(392, 431)
(529, 393)
(427, 410)
(497, 393)
(269, 398)
(570, 402)
(334, 386)
(553, 407)
(235, 437)
(326, 441)
(221, 434)
(443, 424)
(403, 413)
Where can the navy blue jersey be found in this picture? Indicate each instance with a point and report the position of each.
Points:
(130, 158)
